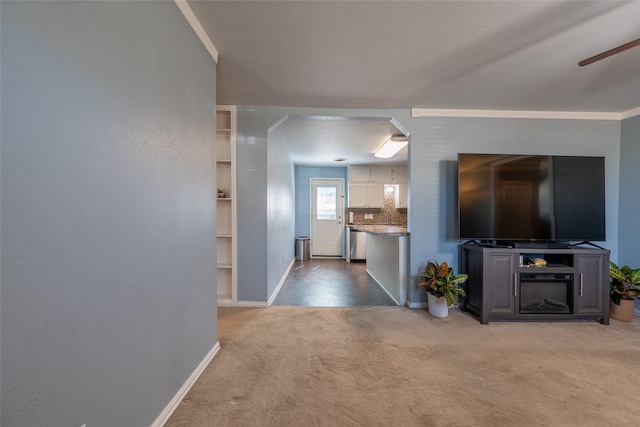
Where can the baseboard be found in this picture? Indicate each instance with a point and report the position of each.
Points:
(173, 404)
(282, 280)
(225, 303)
(419, 304)
(381, 287)
(251, 304)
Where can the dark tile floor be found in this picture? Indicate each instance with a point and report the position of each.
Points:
(331, 283)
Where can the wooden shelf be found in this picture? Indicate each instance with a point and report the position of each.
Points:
(226, 206)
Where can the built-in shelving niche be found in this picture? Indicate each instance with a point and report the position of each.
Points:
(226, 234)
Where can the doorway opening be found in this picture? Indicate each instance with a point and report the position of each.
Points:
(322, 150)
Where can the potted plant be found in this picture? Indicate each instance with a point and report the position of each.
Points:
(625, 287)
(442, 286)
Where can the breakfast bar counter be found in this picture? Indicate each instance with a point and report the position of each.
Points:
(382, 229)
(388, 258)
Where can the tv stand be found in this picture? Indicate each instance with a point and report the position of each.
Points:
(535, 283)
(586, 242)
(534, 244)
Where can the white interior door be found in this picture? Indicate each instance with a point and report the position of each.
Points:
(327, 209)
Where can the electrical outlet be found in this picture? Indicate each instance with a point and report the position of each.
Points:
(368, 216)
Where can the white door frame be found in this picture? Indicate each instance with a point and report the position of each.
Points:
(339, 208)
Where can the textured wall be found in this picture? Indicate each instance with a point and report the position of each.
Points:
(252, 204)
(108, 211)
(433, 148)
(629, 231)
(303, 175)
(280, 210)
(435, 143)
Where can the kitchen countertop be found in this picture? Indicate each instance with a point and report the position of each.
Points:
(381, 229)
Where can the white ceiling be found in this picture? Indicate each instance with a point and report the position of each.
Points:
(487, 55)
(317, 141)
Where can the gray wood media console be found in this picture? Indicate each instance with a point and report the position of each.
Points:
(508, 283)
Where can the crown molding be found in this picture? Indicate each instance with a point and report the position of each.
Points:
(631, 113)
(507, 114)
(197, 27)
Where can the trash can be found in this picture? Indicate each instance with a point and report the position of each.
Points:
(303, 248)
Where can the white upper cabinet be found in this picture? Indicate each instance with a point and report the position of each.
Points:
(378, 174)
(399, 174)
(366, 184)
(365, 195)
(359, 174)
(402, 196)
(381, 174)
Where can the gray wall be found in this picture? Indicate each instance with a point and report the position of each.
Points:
(252, 133)
(435, 143)
(629, 231)
(108, 211)
(265, 179)
(303, 175)
(433, 150)
(265, 205)
(280, 210)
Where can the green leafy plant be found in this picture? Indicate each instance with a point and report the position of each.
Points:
(625, 282)
(441, 281)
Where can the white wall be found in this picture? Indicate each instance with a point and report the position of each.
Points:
(107, 211)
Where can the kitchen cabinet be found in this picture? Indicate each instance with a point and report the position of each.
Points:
(366, 185)
(364, 195)
(378, 174)
(381, 175)
(402, 196)
(371, 174)
(399, 174)
(359, 174)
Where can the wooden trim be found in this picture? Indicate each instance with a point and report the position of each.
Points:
(251, 304)
(631, 113)
(282, 280)
(507, 114)
(197, 27)
(182, 392)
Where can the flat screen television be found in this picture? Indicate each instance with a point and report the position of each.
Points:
(515, 197)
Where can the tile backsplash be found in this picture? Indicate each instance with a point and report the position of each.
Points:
(387, 214)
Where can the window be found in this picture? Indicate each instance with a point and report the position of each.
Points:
(326, 203)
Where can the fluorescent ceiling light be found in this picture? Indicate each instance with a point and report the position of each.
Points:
(391, 147)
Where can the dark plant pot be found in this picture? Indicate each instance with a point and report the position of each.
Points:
(624, 311)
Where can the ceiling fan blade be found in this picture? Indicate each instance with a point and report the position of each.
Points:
(609, 53)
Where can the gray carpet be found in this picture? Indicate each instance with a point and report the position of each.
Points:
(392, 366)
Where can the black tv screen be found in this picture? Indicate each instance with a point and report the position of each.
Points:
(531, 197)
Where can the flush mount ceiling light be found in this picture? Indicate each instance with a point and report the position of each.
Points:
(340, 159)
(391, 147)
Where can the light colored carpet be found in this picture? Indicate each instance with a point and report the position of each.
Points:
(392, 366)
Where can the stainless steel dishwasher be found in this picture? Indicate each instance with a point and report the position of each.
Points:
(357, 245)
